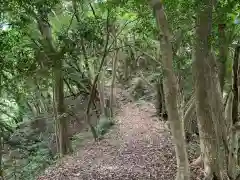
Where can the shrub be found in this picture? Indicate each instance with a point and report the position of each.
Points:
(103, 126)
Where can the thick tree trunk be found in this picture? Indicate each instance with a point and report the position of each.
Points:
(170, 90)
(209, 113)
(235, 85)
(216, 103)
(233, 113)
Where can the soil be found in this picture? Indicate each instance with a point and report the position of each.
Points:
(138, 147)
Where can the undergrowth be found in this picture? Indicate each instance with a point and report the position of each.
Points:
(30, 166)
(31, 161)
(103, 126)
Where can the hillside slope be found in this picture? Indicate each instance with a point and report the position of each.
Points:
(136, 148)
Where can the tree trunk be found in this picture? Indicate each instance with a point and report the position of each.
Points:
(94, 84)
(228, 112)
(126, 74)
(70, 89)
(170, 90)
(64, 143)
(188, 120)
(181, 99)
(222, 54)
(233, 113)
(100, 86)
(114, 69)
(209, 114)
(1, 140)
(55, 117)
(32, 108)
(235, 85)
(1, 154)
(160, 103)
(57, 59)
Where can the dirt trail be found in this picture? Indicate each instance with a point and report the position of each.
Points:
(136, 148)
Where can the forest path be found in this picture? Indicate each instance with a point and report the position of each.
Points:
(136, 148)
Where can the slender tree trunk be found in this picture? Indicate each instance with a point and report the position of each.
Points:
(55, 116)
(170, 90)
(188, 118)
(39, 98)
(37, 107)
(160, 103)
(100, 86)
(126, 75)
(228, 112)
(113, 83)
(1, 139)
(181, 99)
(113, 86)
(33, 109)
(70, 89)
(222, 54)
(94, 85)
(1, 154)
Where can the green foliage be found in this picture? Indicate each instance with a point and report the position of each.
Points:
(79, 139)
(31, 166)
(25, 74)
(103, 126)
(37, 162)
(29, 152)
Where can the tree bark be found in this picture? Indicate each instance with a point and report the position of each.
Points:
(188, 120)
(114, 69)
(160, 103)
(233, 118)
(1, 154)
(1, 140)
(207, 93)
(64, 144)
(228, 112)
(235, 85)
(57, 58)
(170, 90)
(100, 86)
(222, 54)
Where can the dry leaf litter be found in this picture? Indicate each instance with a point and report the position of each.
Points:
(138, 147)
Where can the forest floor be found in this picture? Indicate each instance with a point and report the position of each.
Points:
(138, 147)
